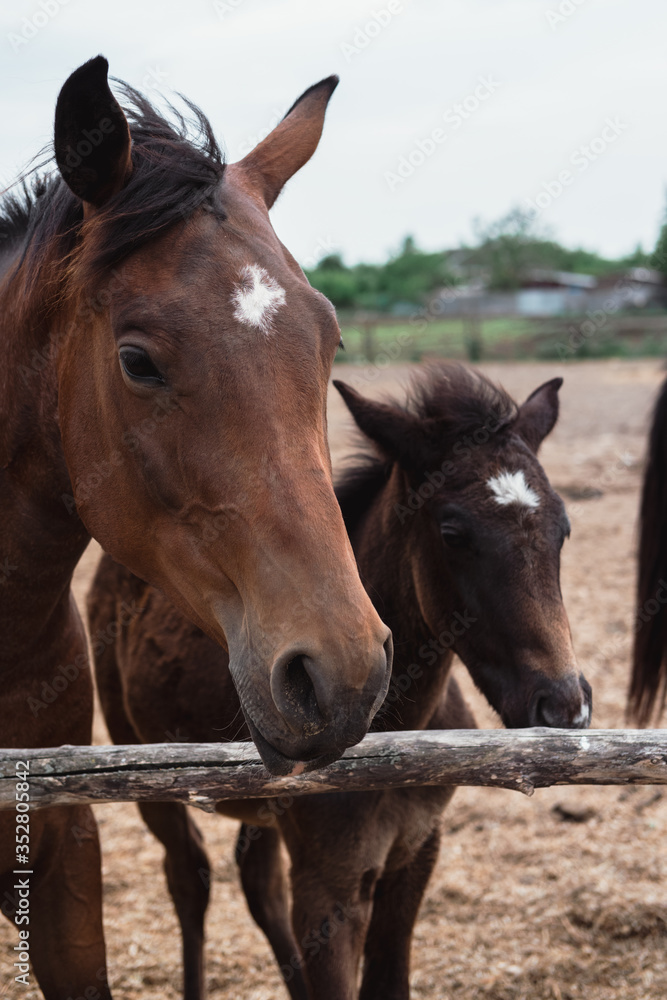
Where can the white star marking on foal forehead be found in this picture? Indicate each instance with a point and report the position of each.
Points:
(257, 298)
(511, 487)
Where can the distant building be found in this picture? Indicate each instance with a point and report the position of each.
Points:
(636, 287)
(555, 293)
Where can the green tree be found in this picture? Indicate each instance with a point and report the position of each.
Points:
(338, 286)
(411, 275)
(508, 248)
(504, 254)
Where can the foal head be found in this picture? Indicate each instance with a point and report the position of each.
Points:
(478, 529)
(193, 364)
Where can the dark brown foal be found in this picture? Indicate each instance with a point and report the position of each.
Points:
(457, 534)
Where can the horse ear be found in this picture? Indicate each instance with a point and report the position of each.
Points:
(538, 414)
(291, 143)
(391, 429)
(91, 136)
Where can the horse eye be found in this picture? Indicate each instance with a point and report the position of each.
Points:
(452, 535)
(136, 363)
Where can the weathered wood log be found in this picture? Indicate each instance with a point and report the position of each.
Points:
(203, 774)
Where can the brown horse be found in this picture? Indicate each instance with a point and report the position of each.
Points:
(457, 534)
(163, 389)
(648, 685)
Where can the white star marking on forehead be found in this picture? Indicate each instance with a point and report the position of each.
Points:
(511, 487)
(257, 298)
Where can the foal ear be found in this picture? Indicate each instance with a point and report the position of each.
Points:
(92, 137)
(391, 429)
(538, 414)
(291, 143)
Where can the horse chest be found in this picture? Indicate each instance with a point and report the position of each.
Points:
(415, 814)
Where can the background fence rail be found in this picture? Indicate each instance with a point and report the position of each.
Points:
(377, 338)
(203, 774)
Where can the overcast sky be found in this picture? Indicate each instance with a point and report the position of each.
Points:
(516, 93)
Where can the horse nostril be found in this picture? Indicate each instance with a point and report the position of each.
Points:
(299, 687)
(294, 694)
(545, 714)
(556, 712)
(539, 717)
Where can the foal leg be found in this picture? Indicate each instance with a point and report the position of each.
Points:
(337, 850)
(266, 892)
(187, 869)
(66, 937)
(330, 923)
(398, 897)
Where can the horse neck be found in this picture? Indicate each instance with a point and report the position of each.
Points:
(41, 540)
(421, 665)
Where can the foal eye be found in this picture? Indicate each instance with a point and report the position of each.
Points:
(452, 535)
(136, 363)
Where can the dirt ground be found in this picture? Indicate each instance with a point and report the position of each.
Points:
(558, 896)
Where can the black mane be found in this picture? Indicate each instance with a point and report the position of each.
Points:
(455, 401)
(15, 210)
(358, 487)
(460, 399)
(176, 167)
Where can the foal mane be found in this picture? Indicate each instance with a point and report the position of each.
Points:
(459, 399)
(451, 401)
(177, 165)
(358, 487)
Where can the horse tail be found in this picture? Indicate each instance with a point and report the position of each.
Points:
(648, 683)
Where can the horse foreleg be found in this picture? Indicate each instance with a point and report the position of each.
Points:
(397, 899)
(330, 918)
(187, 869)
(266, 892)
(66, 936)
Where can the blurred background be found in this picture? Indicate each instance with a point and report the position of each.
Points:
(491, 180)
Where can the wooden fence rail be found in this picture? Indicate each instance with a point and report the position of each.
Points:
(205, 773)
